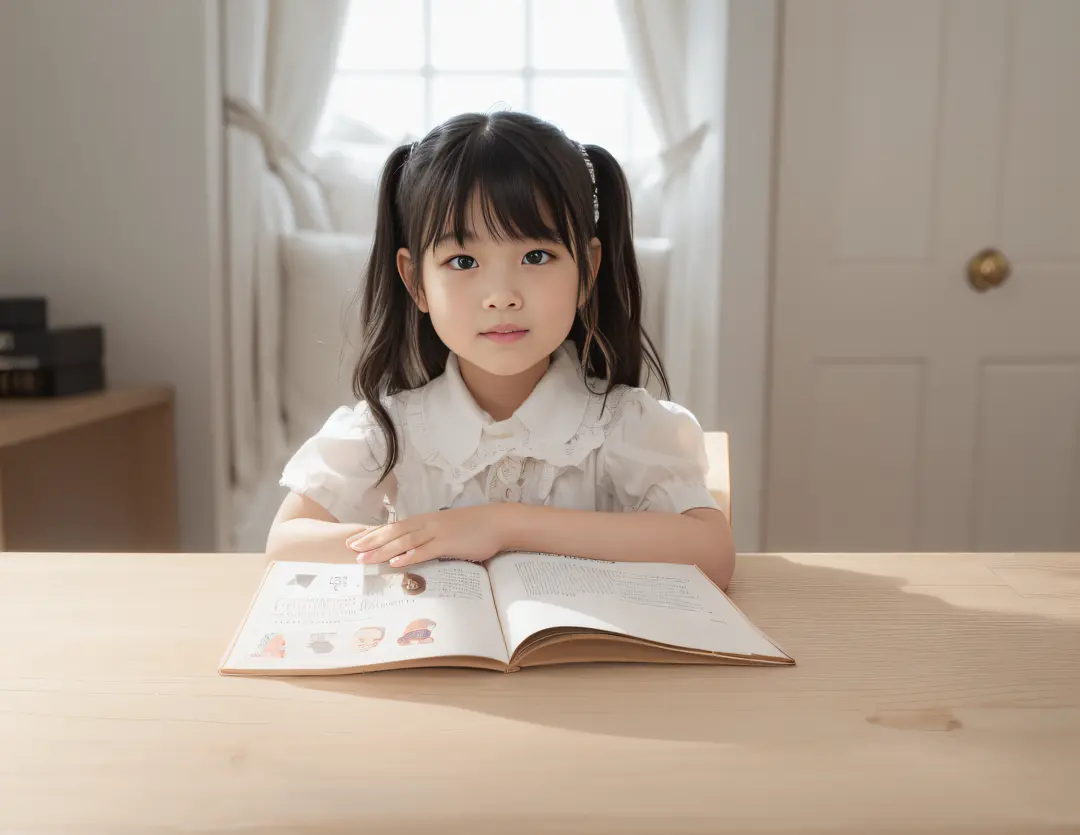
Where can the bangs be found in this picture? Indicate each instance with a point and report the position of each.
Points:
(518, 196)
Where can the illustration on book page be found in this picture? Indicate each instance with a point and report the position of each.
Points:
(418, 632)
(322, 642)
(368, 637)
(272, 645)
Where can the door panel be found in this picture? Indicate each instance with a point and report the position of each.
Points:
(908, 410)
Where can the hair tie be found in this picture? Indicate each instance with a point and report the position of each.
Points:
(592, 176)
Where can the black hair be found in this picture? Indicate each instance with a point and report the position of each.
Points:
(518, 165)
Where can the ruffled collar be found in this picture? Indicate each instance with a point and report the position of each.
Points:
(454, 425)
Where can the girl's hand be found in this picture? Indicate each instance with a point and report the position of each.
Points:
(467, 533)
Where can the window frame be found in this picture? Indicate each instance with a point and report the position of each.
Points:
(529, 73)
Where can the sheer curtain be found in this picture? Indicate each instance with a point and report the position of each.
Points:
(279, 60)
(659, 38)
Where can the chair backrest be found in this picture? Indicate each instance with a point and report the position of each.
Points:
(719, 477)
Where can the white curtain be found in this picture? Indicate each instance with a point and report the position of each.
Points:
(659, 36)
(280, 57)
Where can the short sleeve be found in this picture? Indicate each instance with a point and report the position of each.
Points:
(338, 467)
(654, 458)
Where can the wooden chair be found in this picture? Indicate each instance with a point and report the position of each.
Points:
(719, 478)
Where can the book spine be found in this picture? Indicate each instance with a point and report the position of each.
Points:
(9, 363)
(23, 382)
(28, 313)
(19, 378)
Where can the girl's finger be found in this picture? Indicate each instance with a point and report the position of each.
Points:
(422, 553)
(393, 549)
(361, 535)
(381, 535)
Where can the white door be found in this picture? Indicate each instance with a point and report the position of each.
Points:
(908, 410)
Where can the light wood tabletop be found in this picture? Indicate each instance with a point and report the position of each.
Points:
(932, 693)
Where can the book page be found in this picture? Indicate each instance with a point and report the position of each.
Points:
(320, 616)
(669, 604)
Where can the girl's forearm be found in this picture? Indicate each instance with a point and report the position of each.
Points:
(700, 537)
(312, 540)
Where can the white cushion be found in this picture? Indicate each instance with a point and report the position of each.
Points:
(322, 275)
(350, 184)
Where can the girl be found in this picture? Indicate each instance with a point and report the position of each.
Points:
(500, 406)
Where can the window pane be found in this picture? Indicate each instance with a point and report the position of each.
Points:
(478, 34)
(393, 106)
(590, 110)
(383, 35)
(475, 94)
(577, 35)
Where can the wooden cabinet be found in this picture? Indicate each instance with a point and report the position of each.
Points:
(89, 473)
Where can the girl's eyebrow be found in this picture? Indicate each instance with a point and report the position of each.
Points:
(448, 237)
(468, 238)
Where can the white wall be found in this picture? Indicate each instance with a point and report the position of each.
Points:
(112, 198)
(7, 167)
(733, 48)
(753, 55)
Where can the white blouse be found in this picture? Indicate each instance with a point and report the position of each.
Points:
(563, 447)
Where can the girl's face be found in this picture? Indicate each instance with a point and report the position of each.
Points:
(502, 305)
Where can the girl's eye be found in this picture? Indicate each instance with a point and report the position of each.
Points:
(462, 262)
(537, 257)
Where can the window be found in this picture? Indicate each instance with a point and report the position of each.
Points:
(406, 65)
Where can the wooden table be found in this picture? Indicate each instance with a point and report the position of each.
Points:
(933, 693)
(94, 472)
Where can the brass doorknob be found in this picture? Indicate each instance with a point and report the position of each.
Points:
(987, 269)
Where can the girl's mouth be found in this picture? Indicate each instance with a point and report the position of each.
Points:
(505, 333)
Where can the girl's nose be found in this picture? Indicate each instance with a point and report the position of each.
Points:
(502, 296)
(503, 302)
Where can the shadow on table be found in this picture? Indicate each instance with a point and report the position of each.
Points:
(903, 655)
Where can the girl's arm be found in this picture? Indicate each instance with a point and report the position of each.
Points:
(700, 537)
(304, 530)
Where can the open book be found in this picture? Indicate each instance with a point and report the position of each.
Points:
(517, 610)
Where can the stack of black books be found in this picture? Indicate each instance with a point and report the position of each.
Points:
(38, 361)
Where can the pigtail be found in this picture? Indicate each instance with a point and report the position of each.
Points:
(615, 342)
(385, 306)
